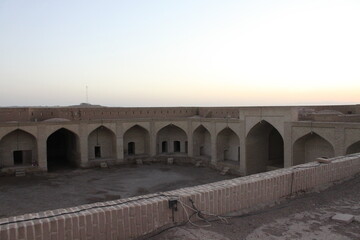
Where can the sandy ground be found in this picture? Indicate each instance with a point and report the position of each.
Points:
(306, 217)
(68, 188)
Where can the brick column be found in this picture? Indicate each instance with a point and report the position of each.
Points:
(213, 145)
(41, 148)
(190, 152)
(83, 145)
(152, 139)
(119, 143)
(288, 161)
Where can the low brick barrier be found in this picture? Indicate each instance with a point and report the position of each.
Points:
(134, 217)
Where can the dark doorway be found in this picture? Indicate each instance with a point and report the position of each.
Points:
(22, 157)
(97, 152)
(18, 157)
(164, 147)
(176, 146)
(131, 148)
(226, 154)
(201, 150)
(62, 150)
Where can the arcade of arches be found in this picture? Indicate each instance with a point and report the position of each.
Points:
(261, 149)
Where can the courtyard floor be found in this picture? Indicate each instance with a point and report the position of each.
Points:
(68, 188)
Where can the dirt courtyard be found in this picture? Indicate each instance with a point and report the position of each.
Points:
(68, 188)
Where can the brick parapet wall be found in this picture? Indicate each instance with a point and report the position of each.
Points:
(133, 217)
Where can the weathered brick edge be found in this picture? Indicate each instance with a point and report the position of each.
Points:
(133, 217)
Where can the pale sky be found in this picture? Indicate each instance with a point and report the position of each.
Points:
(179, 52)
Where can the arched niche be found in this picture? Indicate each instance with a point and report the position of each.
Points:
(101, 144)
(310, 147)
(169, 137)
(353, 148)
(136, 141)
(264, 148)
(18, 148)
(228, 146)
(201, 142)
(63, 150)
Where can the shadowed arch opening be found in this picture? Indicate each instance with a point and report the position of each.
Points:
(201, 142)
(171, 139)
(228, 146)
(353, 148)
(136, 141)
(264, 148)
(62, 150)
(310, 147)
(101, 144)
(18, 148)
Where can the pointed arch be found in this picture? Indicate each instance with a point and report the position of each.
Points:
(91, 128)
(18, 147)
(273, 123)
(55, 129)
(136, 141)
(102, 144)
(140, 124)
(169, 138)
(310, 147)
(201, 142)
(321, 132)
(63, 149)
(353, 148)
(177, 125)
(264, 148)
(30, 131)
(228, 145)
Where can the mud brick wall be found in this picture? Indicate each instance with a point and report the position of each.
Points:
(133, 217)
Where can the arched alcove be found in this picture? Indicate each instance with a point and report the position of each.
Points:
(63, 150)
(171, 139)
(228, 146)
(101, 144)
(202, 142)
(353, 148)
(136, 141)
(18, 148)
(264, 148)
(310, 147)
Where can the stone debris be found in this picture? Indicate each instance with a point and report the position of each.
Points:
(191, 234)
(225, 170)
(345, 218)
(198, 164)
(139, 162)
(103, 165)
(170, 161)
(323, 160)
(20, 173)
